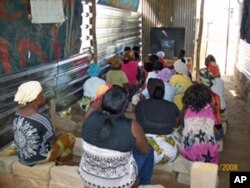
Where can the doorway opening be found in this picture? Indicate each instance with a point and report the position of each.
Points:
(221, 33)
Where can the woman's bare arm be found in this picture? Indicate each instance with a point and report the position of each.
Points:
(142, 144)
(177, 122)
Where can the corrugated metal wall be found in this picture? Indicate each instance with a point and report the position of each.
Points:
(62, 75)
(184, 16)
(243, 58)
(169, 13)
(116, 29)
(61, 80)
(107, 30)
(154, 14)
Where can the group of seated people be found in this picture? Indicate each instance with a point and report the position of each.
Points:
(173, 115)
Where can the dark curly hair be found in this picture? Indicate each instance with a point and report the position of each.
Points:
(158, 66)
(196, 97)
(149, 66)
(153, 58)
(127, 48)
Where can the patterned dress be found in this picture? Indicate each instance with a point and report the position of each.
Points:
(108, 162)
(101, 167)
(158, 118)
(180, 83)
(32, 137)
(198, 142)
(166, 147)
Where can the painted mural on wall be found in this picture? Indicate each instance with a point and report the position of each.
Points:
(131, 5)
(23, 44)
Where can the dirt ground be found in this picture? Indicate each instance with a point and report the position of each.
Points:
(236, 141)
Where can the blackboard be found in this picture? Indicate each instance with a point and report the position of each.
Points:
(167, 39)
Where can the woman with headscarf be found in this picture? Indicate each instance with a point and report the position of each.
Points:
(34, 132)
(218, 103)
(218, 85)
(181, 64)
(97, 101)
(91, 85)
(158, 118)
(161, 56)
(115, 149)
(210, 63)
(115, 76)
(180, 81)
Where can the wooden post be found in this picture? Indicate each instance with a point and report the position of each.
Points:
(199, 38)
(94, 42)
(52, 111)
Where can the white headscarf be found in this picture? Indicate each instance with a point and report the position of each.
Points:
(181, 67)
(160, 54)
(27, 92)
